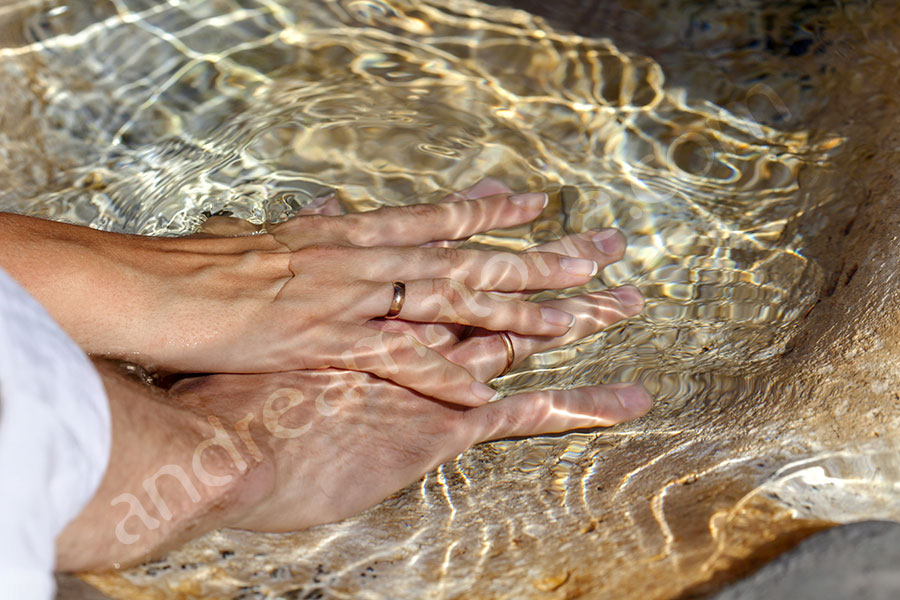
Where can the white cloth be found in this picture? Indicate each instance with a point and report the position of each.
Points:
(54, 440)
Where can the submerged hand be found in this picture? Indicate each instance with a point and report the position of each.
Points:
(299, 297)
(593, 311)
(318, 316)
(333, 443)
(285, 451)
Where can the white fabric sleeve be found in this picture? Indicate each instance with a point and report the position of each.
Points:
(54, 440)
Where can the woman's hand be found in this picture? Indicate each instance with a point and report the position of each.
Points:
(301, 296)
(341, 273)
(594, 311)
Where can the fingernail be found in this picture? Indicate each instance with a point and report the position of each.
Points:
(609, 241)
(579, 266)
(484, 392)
(633, 399)
(557, 317)
(486, 188)
(532, 201)
(628, 295)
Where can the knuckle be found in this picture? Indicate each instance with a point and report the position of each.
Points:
(323, 226)
(450, 256)
(525, 309)
(538, 262)
(446, 374)
(512, 315)
(569, 246)
(314, 221)
(355, 229)
(513, 269)
(503, 421)
(447, 289)
(493, 420)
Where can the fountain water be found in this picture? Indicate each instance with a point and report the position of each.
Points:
(745, 148)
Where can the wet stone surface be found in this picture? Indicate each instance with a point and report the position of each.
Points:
(747, 150)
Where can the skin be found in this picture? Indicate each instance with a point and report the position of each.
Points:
(348, 441)
(593, 312)
(303, 295)
(295, 449)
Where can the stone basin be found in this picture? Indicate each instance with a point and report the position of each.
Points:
(746, 148)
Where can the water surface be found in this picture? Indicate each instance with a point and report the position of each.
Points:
(715, 135)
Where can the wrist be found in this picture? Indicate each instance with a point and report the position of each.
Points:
(139, 298)
(198, 296)
(86, 279)
(165, 482)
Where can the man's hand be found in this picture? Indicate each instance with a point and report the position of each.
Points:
(340, 442)
(285, 451)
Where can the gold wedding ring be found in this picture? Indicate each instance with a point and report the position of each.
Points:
(397, 303)
(510, 353)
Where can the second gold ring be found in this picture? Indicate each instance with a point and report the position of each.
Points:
(510, 353)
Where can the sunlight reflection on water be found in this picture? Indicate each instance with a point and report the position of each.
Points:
(154, 115)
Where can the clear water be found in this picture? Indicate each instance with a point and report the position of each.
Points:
(704, 130)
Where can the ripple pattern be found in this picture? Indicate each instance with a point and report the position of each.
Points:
(146, 117)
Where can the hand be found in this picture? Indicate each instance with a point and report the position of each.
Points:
(285, 451)
(299, 297)
(345, 441)
(593, 312)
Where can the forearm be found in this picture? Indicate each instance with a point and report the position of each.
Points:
(117, 295)
(154, 494)
(80, 275)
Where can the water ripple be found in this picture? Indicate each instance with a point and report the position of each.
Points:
(149, 116)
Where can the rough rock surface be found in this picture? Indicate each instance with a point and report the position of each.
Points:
(859, 561)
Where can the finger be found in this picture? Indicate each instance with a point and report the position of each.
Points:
(486, 270)
(605, 246)
(437, 336)
(421, 223)
(403, 360)
(483, 189)
(538, 413)
(448, 301)
(484, 354)
(330, 204)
